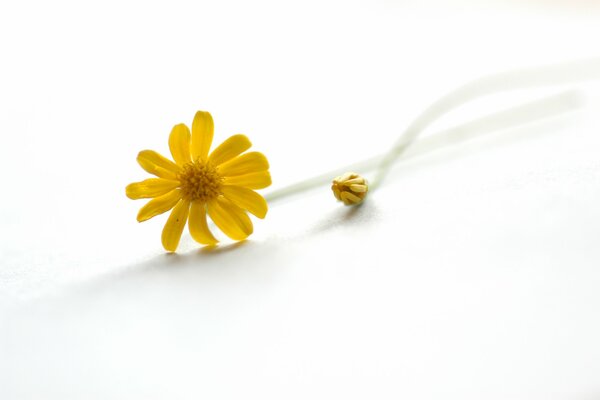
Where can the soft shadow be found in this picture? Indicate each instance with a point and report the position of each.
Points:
(202, 268)
(364, 213)
(200, 252)
(170, 260)
(211, 251)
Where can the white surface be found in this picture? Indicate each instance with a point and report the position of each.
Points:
(472, 273)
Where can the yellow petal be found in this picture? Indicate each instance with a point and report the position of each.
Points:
(246, 199)
(358, 188)
(231, 219)
(158, 165)
(174, 227)
(152, 187)
(355, 181)
(244, 164)
(349, 198)
(232, 147)
(179, 144)
(203, 129)
(197, 224)
(255, 180)
(336, 192)
(159, 205)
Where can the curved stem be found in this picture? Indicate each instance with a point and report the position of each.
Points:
(505, 81)
(518, 79)
(512, 117)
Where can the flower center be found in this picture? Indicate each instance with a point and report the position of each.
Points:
(200, 181)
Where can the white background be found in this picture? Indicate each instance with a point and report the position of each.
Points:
(471, 273)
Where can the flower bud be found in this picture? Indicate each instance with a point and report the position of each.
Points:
(350, 188)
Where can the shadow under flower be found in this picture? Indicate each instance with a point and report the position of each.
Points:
(211, 251)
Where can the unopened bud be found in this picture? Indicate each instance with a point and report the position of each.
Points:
(350, 188)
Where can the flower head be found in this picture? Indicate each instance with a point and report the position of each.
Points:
(197, 183)
(350, 188)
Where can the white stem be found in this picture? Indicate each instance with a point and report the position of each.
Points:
(512, 117)
(517, 79)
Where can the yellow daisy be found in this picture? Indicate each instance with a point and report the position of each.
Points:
(197, 184)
